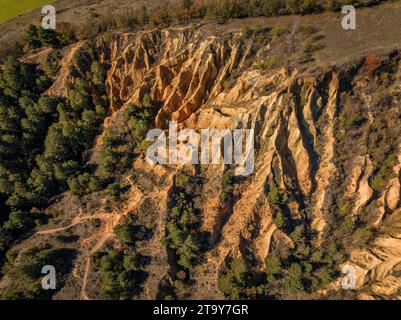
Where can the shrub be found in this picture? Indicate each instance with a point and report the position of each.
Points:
(182, 180)
(98, 73)
(132, 263)
(274, 196)
(386, 172)
(279, 220)
(96, 223)
(269, 63)
(297, 234)
(119, 281)
(247, 31)
(95, 184)
(352, 121)
(272, 267)
(278, 31)
(308, 30)
(125, 234)
(311, 46)
(227, 182)
(348, 225)
(114, 189)
(294, 282)
(188, 252)
(27, 273)
(324, 276)
(233, 282)
(181, 229)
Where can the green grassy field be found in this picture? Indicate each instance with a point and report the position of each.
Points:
(11, 8)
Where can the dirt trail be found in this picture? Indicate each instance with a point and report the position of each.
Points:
(78, 220)
(108, 234)
(111, 220)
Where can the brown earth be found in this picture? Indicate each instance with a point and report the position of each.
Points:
(295, 110)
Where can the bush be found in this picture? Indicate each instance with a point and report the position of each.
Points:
(294, 282)
(311, 46)
(308, 30)
(27, 273)
(84, 184)
(96, 223)
(227, 182)
(181, 228)
(17, 224)
(348, 225)
(352, 121)
(132, 263)
(278, 31)
(119, 280)
(247, 31)
(272, 268)
(114, 189)
(268, 64)
(233, 282)
(297, 234)
(279, 220)
(98, 73)
(188, 252)
(275, 197)
(95, 184)
(125, 234)
(182, 180)
(385, 172)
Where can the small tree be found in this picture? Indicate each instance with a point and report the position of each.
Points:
(32, 36)
(124, 234)
(279, 220)
(114, 189)
(272, 267)
(296, 235)
(294, 279)
(274, 196)
(98, 73)
(147, 101)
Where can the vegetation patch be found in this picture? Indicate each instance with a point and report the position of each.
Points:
(26, 275)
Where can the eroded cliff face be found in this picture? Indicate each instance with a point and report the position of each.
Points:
(309, 146)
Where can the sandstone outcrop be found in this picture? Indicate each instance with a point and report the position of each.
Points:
(210, 81)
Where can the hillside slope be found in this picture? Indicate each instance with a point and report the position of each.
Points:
(325, 190)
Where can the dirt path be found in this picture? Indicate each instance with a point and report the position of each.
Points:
(78, 221)
(98, 246)
(108, 234)
(110, 220)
